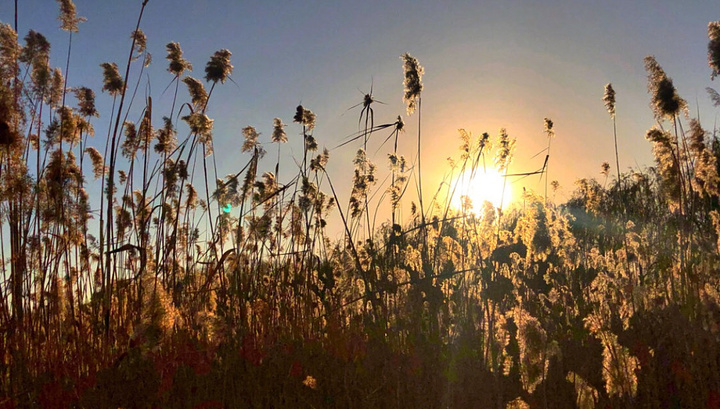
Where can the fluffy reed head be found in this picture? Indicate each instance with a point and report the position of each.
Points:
(251, 138)
(279, 135)
(219, 67)
(609, 99)
(140, 42)
(68, 17)
(9, 50)
(198, 95)
(36, 47)
(605, 169)
(506, 147)
(86, 101)
(178, 65)
(665, 103)
(112, 81)
(714, 48)
(549, 127)
(413, 81)
(305, 117)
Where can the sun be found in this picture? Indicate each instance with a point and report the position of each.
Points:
(481, 186)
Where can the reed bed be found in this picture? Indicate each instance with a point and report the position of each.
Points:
(193, 290)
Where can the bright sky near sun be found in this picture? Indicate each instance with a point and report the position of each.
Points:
(488, 64)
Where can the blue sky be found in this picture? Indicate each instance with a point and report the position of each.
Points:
(488, 64)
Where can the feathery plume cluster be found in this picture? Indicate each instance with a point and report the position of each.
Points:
(399, 167)
(219, 67)
(534, 349)
(146, 131)
(159, 312)
(363, 179)
(714, 96)
(8, 135)
(191, 201)
(665, 102)
(506, 146)
(178, 65)
(484, 141)
(98, 164)
(68, 16)
(465, 143)
(63, 127)
(399, 124)
(198, 95)
(310, 382)
(555, 185)
(131, 142)
(36, 48)
(587, 396)
(549, 128)
(251, 138)
(714, 48)
(320, 161)
(62, 172)
(37, 54)
(619, 367)
(57, 86)
(140, 40)
(609, 99)
(166, 139)
(517, 403)
(112, 81)
(278, 135)
(605, 169)
(201, 125)
(706, 181)
(413, 81)
(304, 117)
(667, 164)
(86, 101)
(9, 50)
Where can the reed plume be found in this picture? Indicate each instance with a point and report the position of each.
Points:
(665, 101)
(714, 48)
(68, 16)
(413, 81)
(219, 67)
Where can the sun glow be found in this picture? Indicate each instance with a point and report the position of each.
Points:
(481, 186)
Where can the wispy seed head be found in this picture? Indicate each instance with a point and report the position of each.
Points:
(714, 48)
(279, 135)
(665, 101)
(68, 16)
(609, 99)
(140, 41)
(305, 117)
(413, 81)
(399, 124)
(219, 67)
(197, 92)
(86, 101)
(97, 162)
(251, 138)
(605, 169)
(36, 47)
(549, 128)
(178, 64)
(112, 81)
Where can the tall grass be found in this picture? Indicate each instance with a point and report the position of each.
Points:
(237, 296)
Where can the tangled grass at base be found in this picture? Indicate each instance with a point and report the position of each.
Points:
(608, 300)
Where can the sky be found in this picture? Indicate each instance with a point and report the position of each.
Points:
(488, 64)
